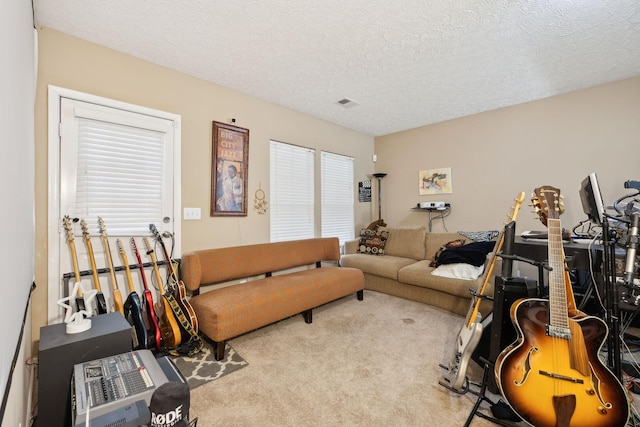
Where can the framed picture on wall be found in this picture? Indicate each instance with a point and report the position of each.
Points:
(229, 170)
(434, 181)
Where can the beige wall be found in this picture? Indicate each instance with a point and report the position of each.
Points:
(71, 63)
(494, 155)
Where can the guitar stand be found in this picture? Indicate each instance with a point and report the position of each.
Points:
(482, 397)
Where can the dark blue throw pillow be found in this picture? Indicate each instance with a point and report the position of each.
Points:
(474, 253)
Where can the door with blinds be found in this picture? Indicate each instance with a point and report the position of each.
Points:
(117, 176)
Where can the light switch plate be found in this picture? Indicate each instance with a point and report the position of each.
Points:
(191, 214)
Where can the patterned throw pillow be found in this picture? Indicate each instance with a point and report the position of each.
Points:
(452, 244)
(372, 242)
(480, 236)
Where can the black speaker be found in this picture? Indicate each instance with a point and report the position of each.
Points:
(500, 332)
(507, 291)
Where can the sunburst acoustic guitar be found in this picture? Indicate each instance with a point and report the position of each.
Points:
(552, 375)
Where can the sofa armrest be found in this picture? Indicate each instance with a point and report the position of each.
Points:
(191, 271)
(351, 246)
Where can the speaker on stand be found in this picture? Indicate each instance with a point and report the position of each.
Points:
(499, 331)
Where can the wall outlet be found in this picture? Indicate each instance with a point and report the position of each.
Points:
(191, 214)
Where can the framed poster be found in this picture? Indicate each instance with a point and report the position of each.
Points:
(434, 181)
(230, 164)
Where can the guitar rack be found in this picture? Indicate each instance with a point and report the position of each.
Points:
(68, 276)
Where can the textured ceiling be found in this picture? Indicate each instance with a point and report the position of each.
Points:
(407, 63)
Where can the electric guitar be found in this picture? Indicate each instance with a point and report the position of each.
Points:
(74, 258)
(176, 286)
(169, 327)
(117, 297)
(100, 301)
(133, 308)
(552, 375)
(471, 332)
(147, 307)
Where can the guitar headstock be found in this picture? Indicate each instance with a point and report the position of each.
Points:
(103, 229)
(67, 227)
(155, 232)
(85, 230)
(547, 202)
(516, 207)
(134, 246)
(147, 245)
(120, 247)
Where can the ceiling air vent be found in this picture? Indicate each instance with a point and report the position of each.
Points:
(347, 103)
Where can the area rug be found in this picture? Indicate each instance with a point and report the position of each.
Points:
(203, 367)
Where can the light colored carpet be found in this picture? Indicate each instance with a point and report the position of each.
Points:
(360, 363)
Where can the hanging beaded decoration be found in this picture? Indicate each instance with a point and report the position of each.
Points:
(259, 201)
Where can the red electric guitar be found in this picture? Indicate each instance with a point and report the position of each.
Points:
(552, 375)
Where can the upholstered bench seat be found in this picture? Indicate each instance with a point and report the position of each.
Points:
(295, 281)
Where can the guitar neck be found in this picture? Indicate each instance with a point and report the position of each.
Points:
(156, 270)
(112, 274)
(172, 272)
(92, 261)
(139, 259)
(473, 313)
(557, 286)
(74, 260)
(475, 309)
(123, 255)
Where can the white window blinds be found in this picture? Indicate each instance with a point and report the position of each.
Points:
(337, 196)
(119, 176)
(292, 192)
(116, 165)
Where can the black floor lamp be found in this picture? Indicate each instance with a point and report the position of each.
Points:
(379, 176)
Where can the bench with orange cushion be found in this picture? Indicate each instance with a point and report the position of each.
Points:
(277, 280)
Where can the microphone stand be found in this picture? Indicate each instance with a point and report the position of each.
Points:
(611, 302)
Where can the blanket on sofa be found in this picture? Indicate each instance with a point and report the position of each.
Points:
(474, 253)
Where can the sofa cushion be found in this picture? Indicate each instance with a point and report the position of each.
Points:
(419, 274)
(406, 242)
(384, 266)
(372, 242)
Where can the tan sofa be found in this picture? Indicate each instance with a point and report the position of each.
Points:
(277, 280)
(404, 270)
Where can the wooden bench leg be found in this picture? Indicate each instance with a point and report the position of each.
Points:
(360, 294)
(308, 318)
(218, 349)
